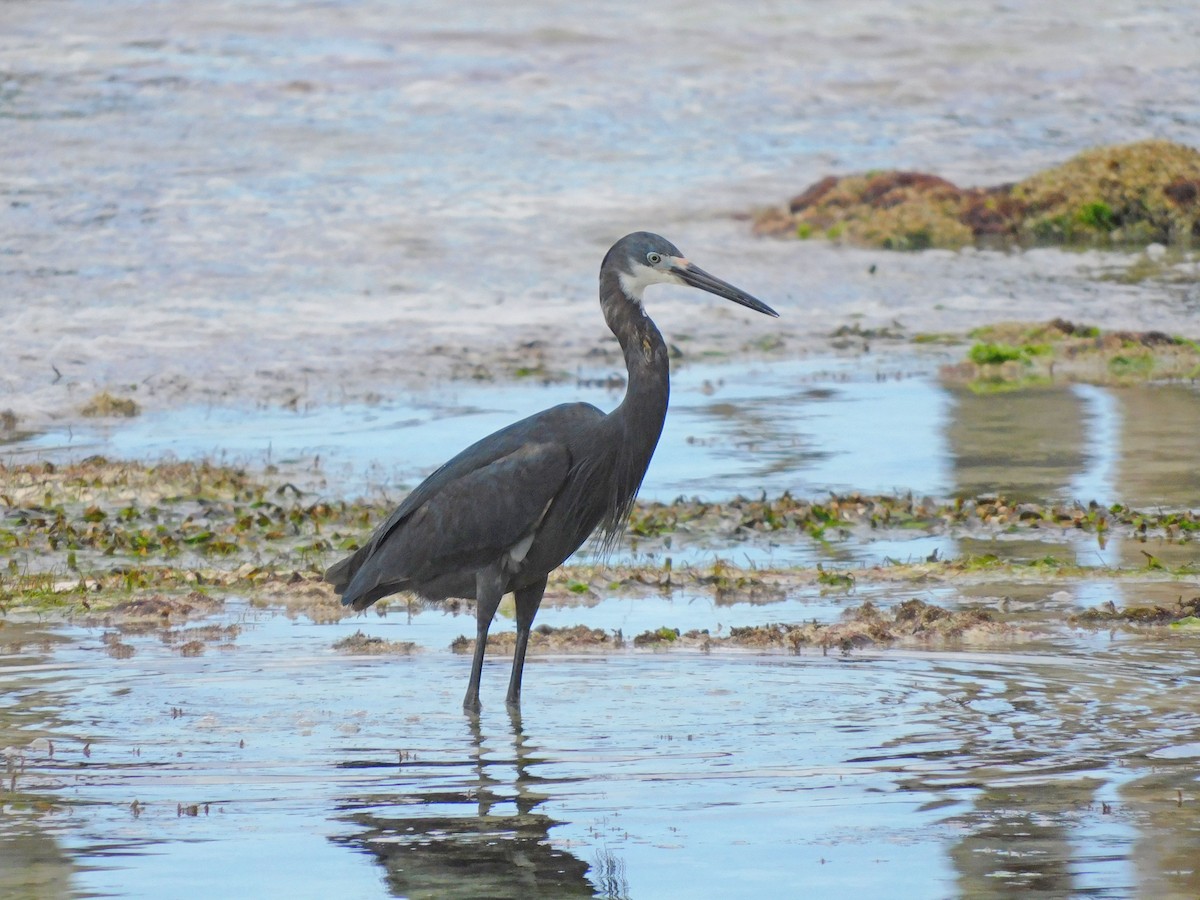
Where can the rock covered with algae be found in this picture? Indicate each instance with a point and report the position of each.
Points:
(1012, 355)
(1131, 194)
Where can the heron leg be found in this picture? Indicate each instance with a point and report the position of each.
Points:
(489, 588)
(528, 600)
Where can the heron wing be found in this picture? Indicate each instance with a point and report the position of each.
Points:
(470, 522)
(555, 425)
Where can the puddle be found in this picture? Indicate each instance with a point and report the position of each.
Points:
(809, 427)
(803, 426)
(1047, 767)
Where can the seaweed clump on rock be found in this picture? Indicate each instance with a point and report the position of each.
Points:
(1132, 194)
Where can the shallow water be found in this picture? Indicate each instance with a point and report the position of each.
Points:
(1048, 768)
(809, 426)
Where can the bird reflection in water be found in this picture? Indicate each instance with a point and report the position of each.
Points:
(470, 827)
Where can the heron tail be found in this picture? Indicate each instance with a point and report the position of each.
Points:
(360, 592)
(342, 572)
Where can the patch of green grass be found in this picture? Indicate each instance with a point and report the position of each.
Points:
(652, 521)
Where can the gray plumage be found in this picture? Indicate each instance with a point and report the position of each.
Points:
(508, 510)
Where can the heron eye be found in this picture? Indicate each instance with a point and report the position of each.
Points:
(654, 258)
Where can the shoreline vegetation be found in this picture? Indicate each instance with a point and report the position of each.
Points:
(104, 541)
(1129, 195)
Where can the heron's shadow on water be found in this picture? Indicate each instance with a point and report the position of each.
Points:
(468, 824)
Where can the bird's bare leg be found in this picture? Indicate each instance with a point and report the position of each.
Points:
(489, 588)
(528, 601)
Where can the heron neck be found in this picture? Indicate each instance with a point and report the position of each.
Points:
(648, 390)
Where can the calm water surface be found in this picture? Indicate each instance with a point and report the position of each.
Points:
(809, 426)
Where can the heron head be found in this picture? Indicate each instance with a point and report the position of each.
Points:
(643, 259)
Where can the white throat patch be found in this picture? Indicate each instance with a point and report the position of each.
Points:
(644, 276)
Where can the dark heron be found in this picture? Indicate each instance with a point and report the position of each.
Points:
(512, 507)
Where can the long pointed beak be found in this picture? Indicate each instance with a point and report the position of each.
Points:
(696, 277)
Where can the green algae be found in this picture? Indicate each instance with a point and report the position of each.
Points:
(104, 536)
(657, 637)
(987, 354)
(1018, 355)
(1126, 195)
(1141, 193)
(830, 578)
